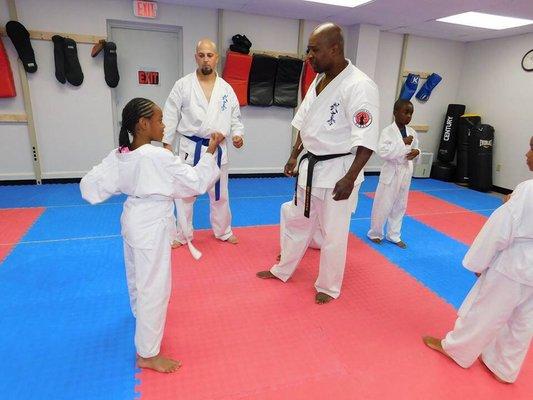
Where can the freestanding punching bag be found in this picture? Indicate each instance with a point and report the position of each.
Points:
(466, 123)
(480, 143)
(443, 169)
(448, 139)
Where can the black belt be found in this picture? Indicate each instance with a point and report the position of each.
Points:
(312, 159)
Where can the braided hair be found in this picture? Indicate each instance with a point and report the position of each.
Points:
(136, 109)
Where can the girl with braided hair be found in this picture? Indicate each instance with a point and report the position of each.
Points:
(152, 177)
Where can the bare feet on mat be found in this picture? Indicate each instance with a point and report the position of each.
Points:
(266, 275)
(159, 364)
(401, 244)
(492, 372)
(232, 239)
(435, 344)
(175, 244)
(322, 298)
(376, 240)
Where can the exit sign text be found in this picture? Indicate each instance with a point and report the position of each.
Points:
(145, 9)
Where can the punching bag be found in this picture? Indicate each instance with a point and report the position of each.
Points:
(448, 139)
(443, 171)
(480, 145)
(466, 123)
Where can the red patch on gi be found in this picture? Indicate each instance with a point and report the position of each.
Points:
(362, 118)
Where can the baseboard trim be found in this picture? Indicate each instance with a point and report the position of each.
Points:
(501, 190)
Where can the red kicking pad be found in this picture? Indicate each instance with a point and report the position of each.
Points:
(240, 337)
(236, 73)
(7, 84)
(308, 75)
(14, 223)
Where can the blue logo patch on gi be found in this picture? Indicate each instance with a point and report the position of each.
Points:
(362, 118)
(224, 102)
(333, 109)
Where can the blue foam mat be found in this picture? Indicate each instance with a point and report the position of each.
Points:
(65, 323)
(64, 310)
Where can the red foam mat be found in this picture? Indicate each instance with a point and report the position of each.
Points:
(14, 223)
(456, 222)
(240, 337)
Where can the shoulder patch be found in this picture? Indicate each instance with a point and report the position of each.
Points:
(362, 118)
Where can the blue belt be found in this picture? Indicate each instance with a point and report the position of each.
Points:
(198, 152)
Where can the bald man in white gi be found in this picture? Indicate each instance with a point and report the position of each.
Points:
(200, 104)
(337, 123)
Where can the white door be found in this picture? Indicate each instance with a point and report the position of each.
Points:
(149, 61)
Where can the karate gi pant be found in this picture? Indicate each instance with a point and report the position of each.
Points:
(297, 233)
(219, 211)
(390, 204)
(318, 237)
(496, 322)
(149, 280)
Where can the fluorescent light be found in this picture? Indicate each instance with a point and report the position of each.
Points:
(342, 3)
(487, 21)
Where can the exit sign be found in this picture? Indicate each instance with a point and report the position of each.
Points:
(145, 9)
(148, 77)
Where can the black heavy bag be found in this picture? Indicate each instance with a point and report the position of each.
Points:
(448, 139)
(261, 82)
(480, 144)
(287, 82)
(466, 123)
(443, 171)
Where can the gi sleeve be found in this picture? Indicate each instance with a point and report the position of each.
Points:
(101, 182)
(495, 236)
(172, 114)
(237, 128)
(188, 181)
(363, 113)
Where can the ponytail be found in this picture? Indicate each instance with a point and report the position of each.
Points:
(136, 109)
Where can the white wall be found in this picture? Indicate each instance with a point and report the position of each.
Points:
(494, 85)
(75, 125)
(268, 134)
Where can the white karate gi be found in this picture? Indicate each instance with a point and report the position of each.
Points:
(343, 117)
(152, 177)
(496, 318)
(390, 200)
(188, 113)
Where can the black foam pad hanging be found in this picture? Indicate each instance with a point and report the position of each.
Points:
(287, 82)
(21, 40)
(73, 70)
(110, 65)
(59, 57)
(262, 79)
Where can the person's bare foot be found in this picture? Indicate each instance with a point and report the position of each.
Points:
(435, 344)
(175, 244)
(322, 298)
(492, 372)
(266, 275)
(401, 244)
(159, 364)
(232, 239)
(376, 240)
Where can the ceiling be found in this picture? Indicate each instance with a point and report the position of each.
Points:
(400, 16)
